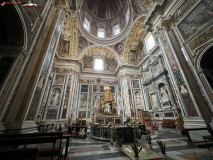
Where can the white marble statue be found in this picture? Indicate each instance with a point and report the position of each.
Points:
(55, 98)
(138, 99)
(97, 99)
(164, 95)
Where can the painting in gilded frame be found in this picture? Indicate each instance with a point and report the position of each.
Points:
(65, 46)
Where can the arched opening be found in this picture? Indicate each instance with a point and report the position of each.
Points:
(11, 30)
(11, 38)
(207, 66)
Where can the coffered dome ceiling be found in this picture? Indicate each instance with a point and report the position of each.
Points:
(105, 15)
(124, 48)
(105, 9)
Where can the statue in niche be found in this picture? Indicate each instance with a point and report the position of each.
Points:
(164, 95)
(138, 100)
(55, 98)
(96, 102)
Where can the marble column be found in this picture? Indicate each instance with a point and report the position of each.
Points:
(124, 90)
(18, 119)
(188, 99)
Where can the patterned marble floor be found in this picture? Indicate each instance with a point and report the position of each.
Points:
(177, 148)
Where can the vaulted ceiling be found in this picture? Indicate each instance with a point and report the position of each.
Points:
(124, 50)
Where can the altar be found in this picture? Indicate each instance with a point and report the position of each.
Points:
(107, 110)
(107, 121)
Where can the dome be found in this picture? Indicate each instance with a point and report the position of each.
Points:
(105, 21)
(105, 9)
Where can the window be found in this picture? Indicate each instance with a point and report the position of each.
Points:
(99, 64)
(150, 42)
(116, 29)
(87, 24)
(101, 33)
(127, 15)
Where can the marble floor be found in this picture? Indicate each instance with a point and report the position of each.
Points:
(177, 148)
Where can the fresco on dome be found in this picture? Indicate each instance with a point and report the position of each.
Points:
(113, 8)
(132, 55)
(200, 17)
(138, 7)
(101, 11)
(119, 47)
(65, 46)
(82, 43)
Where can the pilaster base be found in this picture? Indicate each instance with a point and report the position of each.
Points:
(20, 127)
(2, 129)
(194, 123)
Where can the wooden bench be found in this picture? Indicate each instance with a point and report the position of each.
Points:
(19, 154)
(44, 152)
(15, 142)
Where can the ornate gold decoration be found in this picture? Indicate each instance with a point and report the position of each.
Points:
(133, 39)
(148, 4)
(180, 121)
(69, 33)
(38, 119)
(107, 101)
(99, 51)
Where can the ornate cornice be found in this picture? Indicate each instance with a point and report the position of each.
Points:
(133, 39)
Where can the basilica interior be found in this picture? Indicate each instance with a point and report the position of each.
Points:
(94, 74)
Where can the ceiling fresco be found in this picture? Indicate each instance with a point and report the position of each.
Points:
(127, 51)
(132, 42)
(99, 51)
(104, 9)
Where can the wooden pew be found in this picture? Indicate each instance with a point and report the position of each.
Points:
(19, 154)
(43, 152)
(8, 142)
